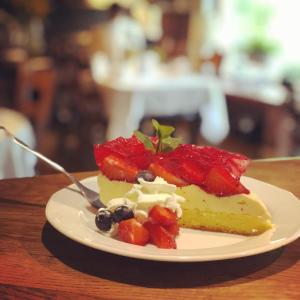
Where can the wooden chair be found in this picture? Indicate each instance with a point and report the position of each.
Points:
(35, 92)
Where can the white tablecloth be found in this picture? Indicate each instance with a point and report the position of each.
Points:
(14, 160)
(129, 100)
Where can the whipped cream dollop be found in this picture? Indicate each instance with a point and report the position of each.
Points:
(146, 194)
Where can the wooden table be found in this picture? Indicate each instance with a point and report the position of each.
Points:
(37, 262)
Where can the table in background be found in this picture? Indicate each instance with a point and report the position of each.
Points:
(261, 105)
(130, 99)
(38, 262)
(15, 161)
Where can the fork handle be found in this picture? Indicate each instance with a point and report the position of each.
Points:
(53, 164)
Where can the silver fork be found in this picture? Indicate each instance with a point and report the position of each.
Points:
(91, 196)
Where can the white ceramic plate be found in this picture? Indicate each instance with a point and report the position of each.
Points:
(71, 214)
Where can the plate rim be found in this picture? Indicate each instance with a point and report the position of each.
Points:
(173, 257)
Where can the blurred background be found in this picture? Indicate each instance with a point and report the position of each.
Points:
(78, 72)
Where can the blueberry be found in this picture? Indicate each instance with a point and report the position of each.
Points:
(146, 175)
(122, 213)
(104, 219)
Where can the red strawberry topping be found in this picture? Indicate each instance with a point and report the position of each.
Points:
(130, 149)
(216, 171)
(118, 168)
(170, 177)
(221, 183)
(199, 165)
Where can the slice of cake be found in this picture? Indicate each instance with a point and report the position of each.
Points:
(208, 178)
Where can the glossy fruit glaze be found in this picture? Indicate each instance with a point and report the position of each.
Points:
(216, 171)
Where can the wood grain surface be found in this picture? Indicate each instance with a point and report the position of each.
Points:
(37, 262)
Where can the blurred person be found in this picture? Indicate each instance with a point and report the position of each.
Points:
(125, 31)
(117, 40)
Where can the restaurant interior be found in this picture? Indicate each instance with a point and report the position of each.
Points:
(76, 73)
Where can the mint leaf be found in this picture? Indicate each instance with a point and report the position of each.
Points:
(163, 131)
(170, 143)
(155, 124)
(145, 140)
(166, 143)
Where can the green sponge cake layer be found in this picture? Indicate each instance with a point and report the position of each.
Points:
(224, 222)
(110, 189)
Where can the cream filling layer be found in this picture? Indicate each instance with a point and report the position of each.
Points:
(243, 204)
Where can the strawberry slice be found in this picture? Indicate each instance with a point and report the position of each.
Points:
(133, 232)
(159, 170)
(192, 172)
(237, 165)
(162, 215)
(116, 168)
(173, 228)
(221, 183)
(129, 149)
(160, 236)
